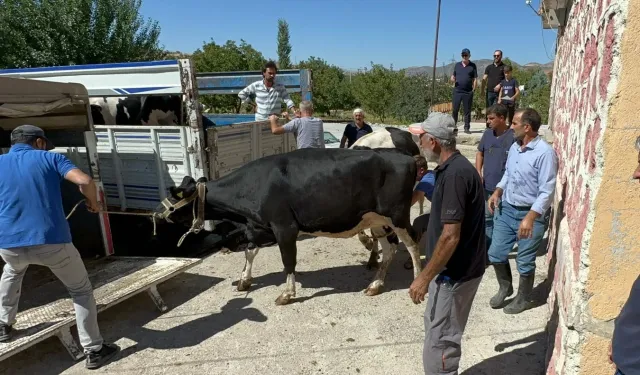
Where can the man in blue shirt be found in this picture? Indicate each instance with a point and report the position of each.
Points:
(464, 78)
(491, 158)
(424, 188)
(34, 230)
(526, 189)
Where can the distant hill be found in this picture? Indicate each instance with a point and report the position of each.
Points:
(481, 64)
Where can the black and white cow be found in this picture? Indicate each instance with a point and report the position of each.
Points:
(405, 142)
(277, 198)
(139, 110)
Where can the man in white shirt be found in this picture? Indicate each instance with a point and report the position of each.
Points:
(268, 94)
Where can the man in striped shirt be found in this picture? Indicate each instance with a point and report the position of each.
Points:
(268, 94)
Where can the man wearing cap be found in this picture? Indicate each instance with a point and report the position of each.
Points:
(464, 78)
(34, 230)
(455, 263)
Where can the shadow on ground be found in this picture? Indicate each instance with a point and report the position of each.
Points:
(128, 320)
(343, 279)
(528, 357)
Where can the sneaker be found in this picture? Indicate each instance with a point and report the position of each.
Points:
(5, 332)
(98, 359)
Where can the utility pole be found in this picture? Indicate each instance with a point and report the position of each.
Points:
(435, 57)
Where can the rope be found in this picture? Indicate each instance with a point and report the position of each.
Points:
(153, 215)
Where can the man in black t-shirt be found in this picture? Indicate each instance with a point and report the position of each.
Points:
(456, 249)
(464, 78)
(493, 75)
(354, 130)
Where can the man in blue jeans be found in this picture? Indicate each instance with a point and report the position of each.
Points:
(491, 160)
(526, 190)
(624, 351)
(34, 230)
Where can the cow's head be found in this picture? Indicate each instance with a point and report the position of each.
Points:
(185, 203)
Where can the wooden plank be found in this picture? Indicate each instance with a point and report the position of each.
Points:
(53, 319)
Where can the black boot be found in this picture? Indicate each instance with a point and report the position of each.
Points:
(521, 302)
(503, 274)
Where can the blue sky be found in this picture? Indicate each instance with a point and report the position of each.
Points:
(351, 33)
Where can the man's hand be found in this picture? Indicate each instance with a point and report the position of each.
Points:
(526, 228)
(418, 289)
(297, 112)
(285, 114)
(92, 206)
(273, 118)
(493, 202)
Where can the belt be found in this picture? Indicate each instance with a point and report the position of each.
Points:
(519, 208)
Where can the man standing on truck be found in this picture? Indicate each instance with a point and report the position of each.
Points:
(268, 94)
(309, 130)
(34, 230)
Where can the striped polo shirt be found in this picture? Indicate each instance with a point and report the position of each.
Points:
(268, 99)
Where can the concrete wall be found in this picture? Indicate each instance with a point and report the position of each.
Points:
(594, 247)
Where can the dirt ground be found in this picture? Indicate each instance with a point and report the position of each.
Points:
(331, 328)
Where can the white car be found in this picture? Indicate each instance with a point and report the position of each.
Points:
(330, 140)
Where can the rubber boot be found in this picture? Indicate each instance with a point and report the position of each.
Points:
(503, 274)
(521, 302)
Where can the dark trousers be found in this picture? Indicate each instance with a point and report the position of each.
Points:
(511, 109)
(466, 98)
(492, 98)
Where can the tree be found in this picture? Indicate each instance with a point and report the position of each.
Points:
(331, 90)
(413, 96)
(284, 47)
(376, 88)
(226, 58)
(54, 32)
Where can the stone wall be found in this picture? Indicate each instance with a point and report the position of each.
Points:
(594, 241)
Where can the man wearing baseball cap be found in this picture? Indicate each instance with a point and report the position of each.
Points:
(34, 230)
(464, 78)
(455, 262)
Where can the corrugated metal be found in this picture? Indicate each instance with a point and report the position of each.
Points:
(136, 170)
(233, 145)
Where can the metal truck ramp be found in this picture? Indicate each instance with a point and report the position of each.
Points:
(114, 279)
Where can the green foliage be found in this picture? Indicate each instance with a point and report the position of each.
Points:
(284, 47)
(376, 88)
(413, 97)
(331, 88)
(56, 32)
(225, 58)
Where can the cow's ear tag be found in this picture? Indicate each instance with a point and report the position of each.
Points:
(179, 195)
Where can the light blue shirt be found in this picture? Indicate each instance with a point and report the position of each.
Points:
(530, 177)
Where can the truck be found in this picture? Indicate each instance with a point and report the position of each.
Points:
(139, 163)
